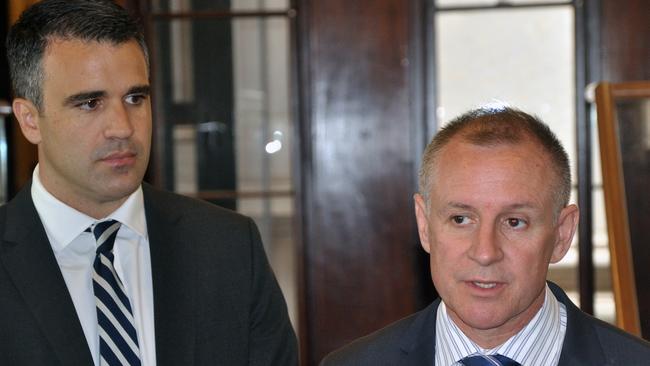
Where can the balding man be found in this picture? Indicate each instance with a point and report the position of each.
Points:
(493, 211)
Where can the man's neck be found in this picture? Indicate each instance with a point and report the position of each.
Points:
(496, 336)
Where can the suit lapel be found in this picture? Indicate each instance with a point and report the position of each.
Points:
(28, 258)
(581, 344)
(171, 268)
(419, 342)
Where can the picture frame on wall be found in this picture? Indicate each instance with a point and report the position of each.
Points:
(623, 111)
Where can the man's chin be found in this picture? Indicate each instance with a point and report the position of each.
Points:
(119, 191)
(481, 317)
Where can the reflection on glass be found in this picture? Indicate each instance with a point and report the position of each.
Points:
(273, 147)
(261, 105)
(236, 106)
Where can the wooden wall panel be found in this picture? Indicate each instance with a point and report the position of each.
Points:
(16, 7)
(625, 40)
(362, 261)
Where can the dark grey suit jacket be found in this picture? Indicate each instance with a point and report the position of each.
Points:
(411, 341)
(216, 301)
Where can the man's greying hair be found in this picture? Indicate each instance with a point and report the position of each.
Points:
(494, 127)
(84, 20)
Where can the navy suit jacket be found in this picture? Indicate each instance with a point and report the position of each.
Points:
(216, 301)
(411, 341)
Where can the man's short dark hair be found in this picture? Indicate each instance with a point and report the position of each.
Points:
(84, 20)
(494, 127)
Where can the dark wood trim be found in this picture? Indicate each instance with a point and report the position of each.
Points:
(592, 11)
(291, 13)
(155, 172)
(422, 102)
(586, 284)
(431, 90)
(417, 61)
(302, 131)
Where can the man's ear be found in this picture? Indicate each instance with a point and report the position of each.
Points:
(28, 118)
(423, 221)
(566, 228)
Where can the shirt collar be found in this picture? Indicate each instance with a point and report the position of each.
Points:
(453, 345)
(63, 223)
(131, 213)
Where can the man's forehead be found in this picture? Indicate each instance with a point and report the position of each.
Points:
(463, 168)
(65, 53)
(74, 67)
(56, 42)
(458, 148)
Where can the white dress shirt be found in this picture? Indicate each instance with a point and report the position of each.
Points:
(74, 250)
(539, 343)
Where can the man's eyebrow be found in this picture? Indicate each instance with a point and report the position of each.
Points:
(140, 89)
(83, 96)
(452, 205)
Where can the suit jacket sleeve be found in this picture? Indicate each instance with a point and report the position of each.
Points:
(273, 341)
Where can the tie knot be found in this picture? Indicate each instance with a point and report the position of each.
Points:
(105, 233)
(489, 360)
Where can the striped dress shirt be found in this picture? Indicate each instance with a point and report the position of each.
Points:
(539, 343)
(74, 250)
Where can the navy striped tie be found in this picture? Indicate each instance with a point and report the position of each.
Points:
(118, 341)
(489, 360)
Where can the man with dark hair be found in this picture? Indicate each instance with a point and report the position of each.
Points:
(97, 267)
(493, 211)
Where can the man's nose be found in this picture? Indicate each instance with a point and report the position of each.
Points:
(486, 247)
(119, 124)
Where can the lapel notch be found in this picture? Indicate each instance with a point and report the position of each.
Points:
(581, 345)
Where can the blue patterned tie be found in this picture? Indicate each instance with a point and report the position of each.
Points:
(118, 341)
(489, 360)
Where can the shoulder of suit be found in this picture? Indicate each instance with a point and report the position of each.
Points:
(621, 347)
(618, 346)
(188, 205)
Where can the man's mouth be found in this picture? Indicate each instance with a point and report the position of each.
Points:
(485, 285)
(119, 155)
(120, 159)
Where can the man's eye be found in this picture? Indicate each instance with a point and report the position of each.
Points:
(516, 223)
(89, 105)
(460, 220)
(135, 99)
